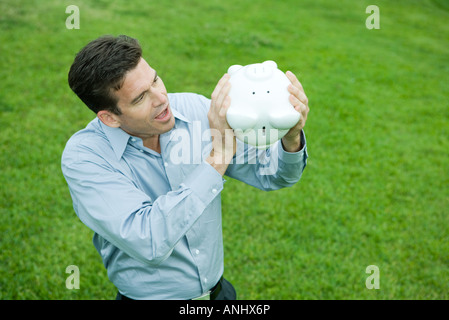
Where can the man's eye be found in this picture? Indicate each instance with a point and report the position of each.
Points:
(140, 98)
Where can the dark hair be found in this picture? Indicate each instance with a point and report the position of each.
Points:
(100, 67)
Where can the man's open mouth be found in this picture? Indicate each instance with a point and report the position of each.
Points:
(164, 115)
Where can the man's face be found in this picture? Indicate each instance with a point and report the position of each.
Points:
(144, 103)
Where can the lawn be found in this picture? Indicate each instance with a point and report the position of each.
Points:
(375, 190)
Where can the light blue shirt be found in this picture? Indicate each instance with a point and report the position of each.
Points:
(157, 217)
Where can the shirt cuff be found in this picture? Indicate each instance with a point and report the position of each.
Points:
(294, 157)
(205, 182)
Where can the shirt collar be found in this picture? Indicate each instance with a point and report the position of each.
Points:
(119, 138)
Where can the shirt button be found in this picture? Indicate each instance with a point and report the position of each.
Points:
(141, 150)
(205, 280)
(165, 164)
(133, 139)
(214, 191)
(197, 251)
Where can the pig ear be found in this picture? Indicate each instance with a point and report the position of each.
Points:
(271, 64)
(233, 69)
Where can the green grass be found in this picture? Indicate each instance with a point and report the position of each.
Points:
(375, 191)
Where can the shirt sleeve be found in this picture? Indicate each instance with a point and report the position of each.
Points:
(270, 169)
(111, 205)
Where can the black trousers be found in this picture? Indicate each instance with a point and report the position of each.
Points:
(227, 292)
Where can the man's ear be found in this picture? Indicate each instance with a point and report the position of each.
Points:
(108, 118)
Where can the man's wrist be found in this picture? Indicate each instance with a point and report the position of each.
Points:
(223, 150)
(292, 144)
(218, 162)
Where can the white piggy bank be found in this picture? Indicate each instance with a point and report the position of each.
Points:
(260, 112)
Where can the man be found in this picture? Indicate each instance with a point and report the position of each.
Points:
(156, 213)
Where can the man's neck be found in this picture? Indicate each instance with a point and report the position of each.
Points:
(152, 143)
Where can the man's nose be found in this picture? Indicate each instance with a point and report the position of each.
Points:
(159, 98)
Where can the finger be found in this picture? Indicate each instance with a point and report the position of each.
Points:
(297, 104)
(224, 92)
(294, 80)
(298, 94)
(215, 94)
(225, 106)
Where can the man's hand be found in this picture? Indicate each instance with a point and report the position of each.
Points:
(292, 140)
(224, 144)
